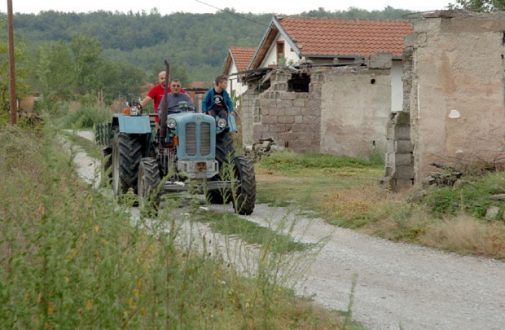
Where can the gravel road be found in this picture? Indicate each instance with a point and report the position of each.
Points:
(398, 286)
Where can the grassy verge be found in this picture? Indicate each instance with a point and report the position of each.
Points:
(346, 193)
(88, 146)
(83, 116)
(250, 232)
(69, 258)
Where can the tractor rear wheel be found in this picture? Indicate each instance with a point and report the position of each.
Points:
(245, 190)
(126, 155)
(107, 166)
(148, 181)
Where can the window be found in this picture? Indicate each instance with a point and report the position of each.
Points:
(280, 52)
(299, 83)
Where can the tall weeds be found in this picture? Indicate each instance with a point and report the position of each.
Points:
(70, 258)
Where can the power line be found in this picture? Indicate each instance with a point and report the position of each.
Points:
(232, 13)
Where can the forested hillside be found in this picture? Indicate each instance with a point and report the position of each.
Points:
(195, 42)
(68, 56)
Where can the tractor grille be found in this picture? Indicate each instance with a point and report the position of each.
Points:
(194, 147)
(205, 142)
(191, 139)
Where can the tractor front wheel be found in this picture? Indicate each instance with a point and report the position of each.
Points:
(148, 181)
(224, 153)
(245, 190)
(126, 155)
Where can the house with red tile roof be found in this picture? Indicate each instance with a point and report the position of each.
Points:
(325, 85)
(237, 60)
(294, 40)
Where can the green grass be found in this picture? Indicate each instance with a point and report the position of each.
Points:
(309, 180)
(70, 258)
(84, 116)
(446, 218)
(88, 146)
(250, 232)
(289, 162)
(472, 197)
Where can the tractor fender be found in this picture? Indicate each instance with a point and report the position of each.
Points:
(132, 124)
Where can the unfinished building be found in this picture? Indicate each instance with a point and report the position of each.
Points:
(339, 110)
(454, 97)
(325, 85)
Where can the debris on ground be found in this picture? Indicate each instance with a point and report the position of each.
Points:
(492, 213)
(260, 149)
(448, 176)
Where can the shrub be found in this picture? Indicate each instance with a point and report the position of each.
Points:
(86, 116)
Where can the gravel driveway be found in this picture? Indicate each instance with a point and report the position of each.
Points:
(398, 285)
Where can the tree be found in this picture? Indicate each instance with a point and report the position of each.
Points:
(55, 72)
(480, 5)
(87, 59)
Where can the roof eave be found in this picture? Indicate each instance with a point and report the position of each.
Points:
(275, 23)
(228, 62)
(394, 57)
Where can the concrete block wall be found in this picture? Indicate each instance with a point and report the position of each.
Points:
(457, 91)
(292, 119)
(355, 108)
(399, 160)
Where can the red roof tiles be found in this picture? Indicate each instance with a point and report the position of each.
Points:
(242, 56)
(316, 36)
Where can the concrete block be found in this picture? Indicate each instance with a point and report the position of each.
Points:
(286, 119)
(269, 119)
(401, 117)
(402, 184)
(390, 132)
(301, 103)
(403, 147)
(292, 111)
(403, 159)
(298, 119)
(402, 132)
(287, 95)
(404, 172)
(380, 61)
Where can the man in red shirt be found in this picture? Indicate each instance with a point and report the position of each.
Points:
(156, 94)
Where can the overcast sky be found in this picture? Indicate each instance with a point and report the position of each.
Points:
(194, 6)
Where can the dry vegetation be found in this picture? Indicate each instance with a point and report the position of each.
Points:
(70, 258)
(347, 193)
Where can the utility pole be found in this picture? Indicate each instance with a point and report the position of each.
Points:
(12, 64)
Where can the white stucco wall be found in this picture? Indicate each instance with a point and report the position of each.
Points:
(271, 56)
(233, 84)
(396, 86)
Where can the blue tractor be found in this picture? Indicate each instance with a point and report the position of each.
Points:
(197, 155)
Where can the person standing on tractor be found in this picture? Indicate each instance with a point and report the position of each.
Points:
(156, 94)
(173, 99)
(217, 101)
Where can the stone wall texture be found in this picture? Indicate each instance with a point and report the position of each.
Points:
(457, 98)
(454, 96)
(344, 112)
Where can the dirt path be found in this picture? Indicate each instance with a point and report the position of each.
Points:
(399, 285)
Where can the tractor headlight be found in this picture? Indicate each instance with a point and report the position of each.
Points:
(221, 123)
(171, 123)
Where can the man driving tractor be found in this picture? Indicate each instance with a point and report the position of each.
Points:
(173, 99)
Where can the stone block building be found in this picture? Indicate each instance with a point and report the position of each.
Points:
(342, 110)
(454, 97)
(325, 85)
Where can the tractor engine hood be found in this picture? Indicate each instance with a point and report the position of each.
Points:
(196, 133)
